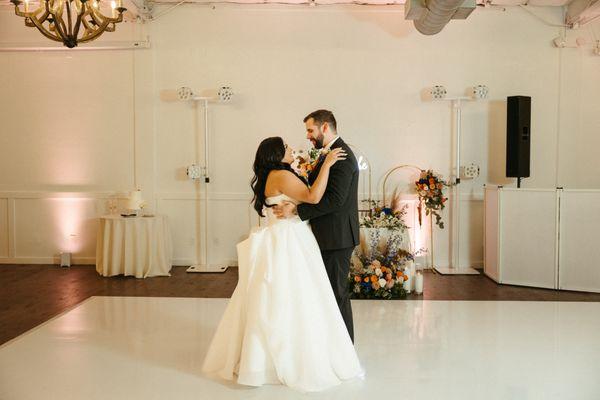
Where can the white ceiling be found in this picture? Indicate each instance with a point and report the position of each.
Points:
(357, 2)
(578, 11)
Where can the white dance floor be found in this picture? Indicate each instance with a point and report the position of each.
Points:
(152, 348)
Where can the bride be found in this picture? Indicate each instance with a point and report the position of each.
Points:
(282, 324)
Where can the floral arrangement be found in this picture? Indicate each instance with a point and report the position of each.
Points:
(384, 217)
(430, 191)
(381, 277)
(391, 217)
(305, 164)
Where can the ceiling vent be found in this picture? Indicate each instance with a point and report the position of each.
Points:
(431, 16)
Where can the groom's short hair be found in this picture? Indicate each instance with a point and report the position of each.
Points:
(322, 116)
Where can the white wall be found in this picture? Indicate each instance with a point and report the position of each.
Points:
(101, 137)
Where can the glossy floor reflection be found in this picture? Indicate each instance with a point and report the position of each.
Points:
(152, 348)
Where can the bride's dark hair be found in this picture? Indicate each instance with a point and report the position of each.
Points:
(269, 157)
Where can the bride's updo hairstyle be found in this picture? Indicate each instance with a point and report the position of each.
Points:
(269, 157)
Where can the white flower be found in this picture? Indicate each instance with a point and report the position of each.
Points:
(400, 279)
(378, 272)
(382, 282)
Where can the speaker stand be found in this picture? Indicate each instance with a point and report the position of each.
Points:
(456, 271)
(207, 268)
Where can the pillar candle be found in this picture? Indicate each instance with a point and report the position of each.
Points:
(419, 283)
(406, 285)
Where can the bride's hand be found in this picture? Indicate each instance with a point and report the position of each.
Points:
(334, 156)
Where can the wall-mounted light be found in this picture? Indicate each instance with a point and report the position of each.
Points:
(479, 92)
(223, 95)
(438, 92)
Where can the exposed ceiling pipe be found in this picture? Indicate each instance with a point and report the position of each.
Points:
(436, 15)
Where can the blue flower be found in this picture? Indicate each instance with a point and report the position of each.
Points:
(387, 211)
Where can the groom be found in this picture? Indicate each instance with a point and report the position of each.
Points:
(334, 220)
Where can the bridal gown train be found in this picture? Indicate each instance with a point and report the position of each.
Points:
(282, 324)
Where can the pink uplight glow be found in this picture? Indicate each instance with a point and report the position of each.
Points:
(419, 234)
(69, 215)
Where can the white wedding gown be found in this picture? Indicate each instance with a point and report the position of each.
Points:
(282, 324)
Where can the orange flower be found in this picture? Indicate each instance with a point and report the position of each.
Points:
(367, 280)
(374, 278)
(383, 269)
(398, 274)
(356, 278)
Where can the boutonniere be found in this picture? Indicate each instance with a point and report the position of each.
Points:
(306, 163)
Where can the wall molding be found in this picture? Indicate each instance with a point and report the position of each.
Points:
(47, 260)
(237, 196)
(22, 195)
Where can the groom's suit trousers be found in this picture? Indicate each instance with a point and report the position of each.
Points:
(337, 264)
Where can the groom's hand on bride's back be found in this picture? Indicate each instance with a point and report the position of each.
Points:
(284, 210)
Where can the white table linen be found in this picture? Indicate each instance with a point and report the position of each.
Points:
(133, 246)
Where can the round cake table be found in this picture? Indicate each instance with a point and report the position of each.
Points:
(133, 246)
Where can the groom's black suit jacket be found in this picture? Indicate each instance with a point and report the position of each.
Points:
(334, 220)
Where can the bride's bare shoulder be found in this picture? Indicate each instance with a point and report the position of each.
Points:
(281, 174)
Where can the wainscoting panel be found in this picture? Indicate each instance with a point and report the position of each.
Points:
(230, 220)
(4, 228)
(36, 226)
(47, 227)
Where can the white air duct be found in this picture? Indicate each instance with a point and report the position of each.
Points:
(431, 16)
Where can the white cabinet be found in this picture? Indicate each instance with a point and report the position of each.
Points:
(544, 238)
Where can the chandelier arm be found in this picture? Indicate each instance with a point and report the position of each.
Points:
(59, 24)
(44, 31)
(69, 19)
(111, 27)
(86, 23)
(97, 32)
(78, 22)
(98, 19)
(103, 24)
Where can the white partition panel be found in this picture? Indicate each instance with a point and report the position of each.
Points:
(579, 267)
(528, 237)
(491, 231)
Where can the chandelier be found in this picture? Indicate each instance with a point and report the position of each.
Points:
(70, 21)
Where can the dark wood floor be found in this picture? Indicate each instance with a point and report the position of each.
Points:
(32, 294)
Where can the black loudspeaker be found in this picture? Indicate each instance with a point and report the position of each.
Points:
(518, 136)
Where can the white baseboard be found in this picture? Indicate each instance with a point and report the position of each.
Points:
(47, 260)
